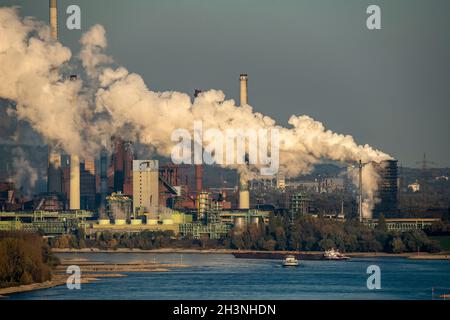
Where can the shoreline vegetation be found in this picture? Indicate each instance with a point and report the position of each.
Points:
(90, 272)
(306, 234)
(27, 263)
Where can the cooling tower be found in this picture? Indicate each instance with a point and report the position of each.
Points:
(74, 203)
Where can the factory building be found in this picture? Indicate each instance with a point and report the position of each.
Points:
(405, 224)
(120, 172)
(388, 189)
(8, 199)
(299, 203)
(145, 186)
(119, 207)
(87, 184)
(170, 186)
(54, 172)
(281, 182)
(203, 204)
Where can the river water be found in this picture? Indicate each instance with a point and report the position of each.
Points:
(221, 276)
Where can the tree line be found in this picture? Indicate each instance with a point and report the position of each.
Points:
(305, 233)
(106, 240)
(317, 234)
(24, 258)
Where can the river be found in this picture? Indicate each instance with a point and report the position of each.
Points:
(221, 276)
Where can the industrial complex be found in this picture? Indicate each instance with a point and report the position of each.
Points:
(118, 192)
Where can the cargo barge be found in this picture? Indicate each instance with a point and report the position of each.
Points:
(278, 255)
(327, 255)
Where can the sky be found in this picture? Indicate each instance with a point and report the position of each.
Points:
(388, 88)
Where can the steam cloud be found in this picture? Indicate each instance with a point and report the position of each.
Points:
(25, 176)
(79, 119)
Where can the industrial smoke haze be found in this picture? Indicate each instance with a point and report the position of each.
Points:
(25, 176)
(79, 118)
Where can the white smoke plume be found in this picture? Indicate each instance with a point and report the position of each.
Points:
(122, 104)
(93, 42)
(370, 180)
(25, 176)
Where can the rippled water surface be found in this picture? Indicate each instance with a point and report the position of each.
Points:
(221, 276)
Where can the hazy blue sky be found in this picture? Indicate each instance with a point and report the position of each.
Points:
(388, 88)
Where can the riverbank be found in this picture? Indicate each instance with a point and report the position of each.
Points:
(57, 280)
(90, 271)
(409, 255)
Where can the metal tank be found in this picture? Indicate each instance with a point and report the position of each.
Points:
(239, 223)
(255, 220)
(152, 221)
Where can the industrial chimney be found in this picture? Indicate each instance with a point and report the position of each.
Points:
(103, 184)
(198, 167)
(74, 200)
(244, 195)
(54, 173)
(360, 191)
(243, 80)
(53, 19)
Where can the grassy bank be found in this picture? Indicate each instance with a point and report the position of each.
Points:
(444, 242)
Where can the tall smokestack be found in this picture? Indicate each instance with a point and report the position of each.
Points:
(244, 195)
(54, 19)
(360, 192)
(198, 178)
(243, 80)
(74, 203)
(198, 167)
(103, 184)
(54, 173)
